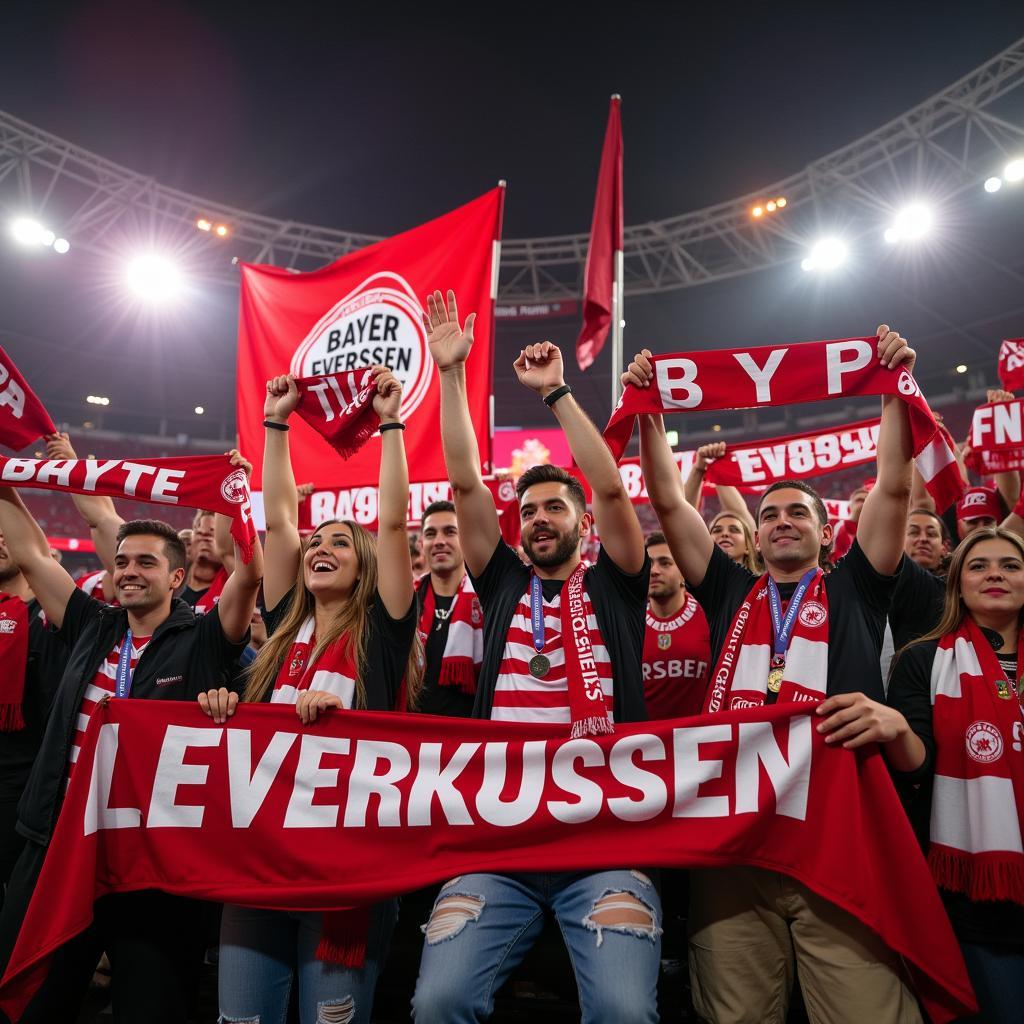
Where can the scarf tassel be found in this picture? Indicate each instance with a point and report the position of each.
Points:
(458, 673)
(343, 937)
(11, 718)
(595, 725)
(977, 878)
(353, 442)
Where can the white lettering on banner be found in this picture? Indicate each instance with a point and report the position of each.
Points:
(361, 503)
(381, 784)
(807, 455)
(761, 376)
(12, 395)
(56, 469)
(94, 470)
(836, 365)
(670, 382)
(1002, 422)
(19, 470)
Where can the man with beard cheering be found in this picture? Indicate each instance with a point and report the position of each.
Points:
(563, 645)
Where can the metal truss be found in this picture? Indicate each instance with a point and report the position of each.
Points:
(947, 144)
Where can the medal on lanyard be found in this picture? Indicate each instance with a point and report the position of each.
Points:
(540, 665)
(783, 627)
(124, 667)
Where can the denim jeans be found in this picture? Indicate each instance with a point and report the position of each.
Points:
(997, 975)
(483, 925)
(260, 949)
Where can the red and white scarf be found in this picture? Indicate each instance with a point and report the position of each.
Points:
(211, 596)
(1011, 364)
(977, 815)
(464, 646)
(22, 416)
(14, 659)
(997, 437)
(339, 406)
(740, 678)
(200, 481)
(810, 372)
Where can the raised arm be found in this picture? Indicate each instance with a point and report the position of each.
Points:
(539, 367)
(693, 488)
(98, 512)
(474, 503)
(394, 566)
(883, 520)
(280, 497)
(1007, 483)
(238, 598)
(732, 501)
(26, 542)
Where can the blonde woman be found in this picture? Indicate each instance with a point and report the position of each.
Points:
(341, 617)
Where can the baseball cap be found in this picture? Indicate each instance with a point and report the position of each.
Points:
(978, 503)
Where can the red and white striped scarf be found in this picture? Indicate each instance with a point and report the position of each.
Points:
(740, 678)
(339, 406)
(14, 626)
(211, 596)
(577, 688)
(464, 646)
(978, 796)
(334, 669)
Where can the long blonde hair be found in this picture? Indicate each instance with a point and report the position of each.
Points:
(953, 607)
(752, 560)
(350, 622)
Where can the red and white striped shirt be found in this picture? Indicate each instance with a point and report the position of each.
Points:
(519, 696)
(104, 684)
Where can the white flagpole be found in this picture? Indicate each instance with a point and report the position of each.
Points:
(618, 319)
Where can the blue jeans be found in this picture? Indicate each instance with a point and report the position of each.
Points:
(260, 949)
(483, 925)
(997, 975)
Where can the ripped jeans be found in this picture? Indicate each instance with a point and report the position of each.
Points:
(260, 949)
(483, 925)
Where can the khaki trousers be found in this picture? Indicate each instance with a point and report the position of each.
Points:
(749, 928)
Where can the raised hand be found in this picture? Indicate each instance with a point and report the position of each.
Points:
(282, 398)
(708, 453)
(449, 345)
(894, 351)
(387, 402)
(239, 461)
(997, 395)
(640, 372)
(539, 367)
(58, 446)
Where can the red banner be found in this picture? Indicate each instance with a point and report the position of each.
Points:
(1011, 364)
(22, 416)
(364, 309)
(163, 798)
(997, 437)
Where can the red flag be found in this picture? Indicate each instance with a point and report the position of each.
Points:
(363, 309)
(22, 416)
(1011, 363)
(605, 242)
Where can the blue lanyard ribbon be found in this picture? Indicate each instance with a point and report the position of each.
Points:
(783, 627)
(537, 611)
(124, 666)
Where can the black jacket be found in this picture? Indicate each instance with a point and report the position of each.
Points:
(187, 655)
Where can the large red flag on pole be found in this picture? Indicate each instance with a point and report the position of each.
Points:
(602, 278)
(366, 308)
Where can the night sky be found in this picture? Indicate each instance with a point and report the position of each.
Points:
(376, 117)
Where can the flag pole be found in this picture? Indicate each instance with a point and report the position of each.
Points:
(618, 313)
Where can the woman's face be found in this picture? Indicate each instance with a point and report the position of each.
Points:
(330, 566)
(727, 533)
(992, 579)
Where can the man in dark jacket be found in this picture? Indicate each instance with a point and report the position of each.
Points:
(152, 647)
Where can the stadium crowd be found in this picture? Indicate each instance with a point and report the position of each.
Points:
(901, 620)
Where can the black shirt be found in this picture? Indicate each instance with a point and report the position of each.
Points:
(434, 699)
(387, 650)
(620, 602)
(916, 603)
(191, 597)
(993, 922)
(858, 600)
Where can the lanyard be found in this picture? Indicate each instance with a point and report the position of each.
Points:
(537, 611)
(783, 627)
(124, 666)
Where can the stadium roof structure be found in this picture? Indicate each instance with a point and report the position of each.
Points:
(951, 141)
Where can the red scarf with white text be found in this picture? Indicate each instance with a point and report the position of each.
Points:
(997, 437)
(14, 659)
(267, 810)
(978, 790)
(339, 406)
(22, 416)
(211, 596)
(740, 678)
(810, 372)
(200, 481)
(464, 646)
(1011, 364)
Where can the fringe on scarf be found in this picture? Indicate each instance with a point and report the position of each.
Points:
(343, 937)
(11, 718)
(978, 877)
(595, 725)
(353, 443)
(458, 673)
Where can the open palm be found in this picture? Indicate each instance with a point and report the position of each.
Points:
(449, 345)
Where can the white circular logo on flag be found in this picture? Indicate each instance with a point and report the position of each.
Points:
(984, 742)
(812, 614)
(506, 490)
(234, 487)
(379, 323)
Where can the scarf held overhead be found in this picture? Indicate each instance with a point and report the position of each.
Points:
(201, 481)
(22, 416)
(261, 810)
(997, 438)
(812, 371)
(339, 406)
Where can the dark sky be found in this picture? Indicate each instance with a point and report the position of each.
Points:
(375, 117)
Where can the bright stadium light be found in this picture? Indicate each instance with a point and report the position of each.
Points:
(912, 222)
(97, 400)
(200, 410)
(153, 278)
(827, 254)
(61, 245)
(28, 232)
(757, 211)
(961, 367)
(993, 184)
(1014, 170)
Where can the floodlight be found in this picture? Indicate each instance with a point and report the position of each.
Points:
(1014, 170)
(717, 428)
(203, 224)
(61, 245)
(200, 410)
(26, 231)
(757, 211)
(222, 230)
(993, 184)
(770, 206)
(153, 278)
(47, 237)
(961, 368)
(827, 254)
(912, 222)
(97, 400)
(780, 202)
